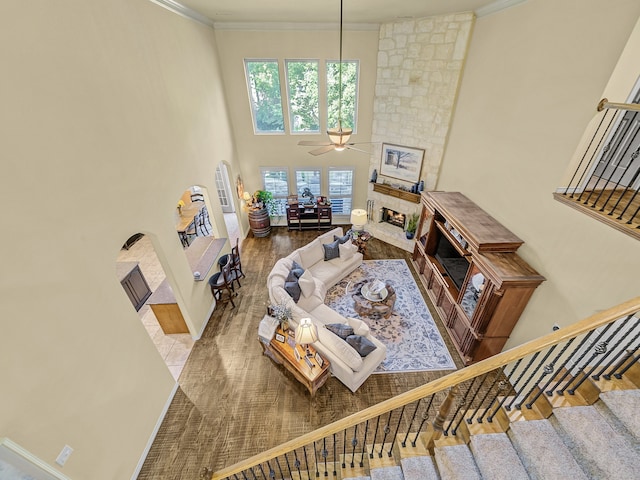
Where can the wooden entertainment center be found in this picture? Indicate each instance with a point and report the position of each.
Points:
(468, 265)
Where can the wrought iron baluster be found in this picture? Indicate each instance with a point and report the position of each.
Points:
(306, 461)
(296, 463)
(244, 475)
(516, 391)
(375, 435)
(602, 351)
(279, 467)
(386, 431)
(501, 386)
(541, 364)
(253, 473)
(335, 456)
(548, 370)
(315, 455)
(497, 374)
(344, 448)
(324, 456)
(585, 154)
(462, 402)
(272, 472)
(425, 417)
(567, 371)
(393, 439)
(459, 404)
(262, 472)
(364, 443)
(629, 365)
(580, 366)
(354, 442)
(413, 417)
(473, 398)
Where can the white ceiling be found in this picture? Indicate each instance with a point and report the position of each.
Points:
(328, 11)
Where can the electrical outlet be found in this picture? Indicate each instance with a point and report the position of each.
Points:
(64, 455)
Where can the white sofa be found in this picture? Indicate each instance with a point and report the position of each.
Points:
(346, 363)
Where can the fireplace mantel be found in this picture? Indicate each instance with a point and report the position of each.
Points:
(396, 192)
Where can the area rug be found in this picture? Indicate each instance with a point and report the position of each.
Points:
(412, 339)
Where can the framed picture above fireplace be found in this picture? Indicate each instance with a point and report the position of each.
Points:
(403, 163)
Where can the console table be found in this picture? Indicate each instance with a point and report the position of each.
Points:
(301, 217)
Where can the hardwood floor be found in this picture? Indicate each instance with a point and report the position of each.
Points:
(233, 402)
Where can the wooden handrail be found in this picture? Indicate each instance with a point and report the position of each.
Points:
(594, 321)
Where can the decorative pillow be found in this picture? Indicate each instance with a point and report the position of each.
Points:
(347, 250)
(340, 349)
(361, 344)
(331, 250)
(311, 253)
(340, 329)
(293, 289)
(344, 239)
(307, 284)
(291, 277)
(297, 269)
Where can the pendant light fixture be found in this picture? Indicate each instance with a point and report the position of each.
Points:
(339, 136)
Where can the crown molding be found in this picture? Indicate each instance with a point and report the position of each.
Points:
(496, 7)
(183, 11)
(279, 26)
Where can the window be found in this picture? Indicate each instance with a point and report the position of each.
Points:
(276, 181)
(302, 89)
(308, 179)
(341, 190)
(263, 80)
(349, 93)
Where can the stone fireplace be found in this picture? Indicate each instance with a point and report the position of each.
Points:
(392, 217)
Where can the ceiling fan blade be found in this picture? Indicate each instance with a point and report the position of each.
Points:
(321, 150)
(307, 143)
(351, 147)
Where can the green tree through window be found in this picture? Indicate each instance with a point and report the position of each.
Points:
(302, 83)
(264, 93)
(349, 93)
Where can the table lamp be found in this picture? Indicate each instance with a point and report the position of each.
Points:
(358, 219)
(306, 333)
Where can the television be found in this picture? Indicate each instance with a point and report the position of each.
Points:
(454, 264)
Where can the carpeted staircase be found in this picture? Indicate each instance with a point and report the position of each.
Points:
(577, 440)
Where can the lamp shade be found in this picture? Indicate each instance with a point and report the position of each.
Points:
(306, 332)
(339, 136)
(358, 218)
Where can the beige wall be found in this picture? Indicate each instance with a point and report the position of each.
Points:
(255, 151)
(109, 111)
(534, 74)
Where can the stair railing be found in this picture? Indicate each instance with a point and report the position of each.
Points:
(557, 365)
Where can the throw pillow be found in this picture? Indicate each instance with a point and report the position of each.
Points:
(293, 289)
(307, 285)
(291, 277)
(361, 344)
(340, 329)
(297, 269)
(331, 250)
(347, 250)
(344, 239)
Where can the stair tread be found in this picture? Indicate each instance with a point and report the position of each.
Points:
(419, 468)
(625, 404)
(387, 473)
(597, 445)
(455, 462)
(543, 452)
(497, 458)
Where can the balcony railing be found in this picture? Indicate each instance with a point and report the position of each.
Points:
(606, 181)
(527, 380)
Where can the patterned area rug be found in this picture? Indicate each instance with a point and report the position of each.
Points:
(412, 339)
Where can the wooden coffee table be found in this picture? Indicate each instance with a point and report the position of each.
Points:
(312, 377)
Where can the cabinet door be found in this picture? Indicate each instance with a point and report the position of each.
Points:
(462, 333)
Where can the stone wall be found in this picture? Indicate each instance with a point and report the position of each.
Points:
(419, 68)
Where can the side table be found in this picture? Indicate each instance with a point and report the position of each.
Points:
(312, 375)
(360, 240)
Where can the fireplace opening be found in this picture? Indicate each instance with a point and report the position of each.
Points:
(391, 216)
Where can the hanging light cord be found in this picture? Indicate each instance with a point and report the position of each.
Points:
(340, 75)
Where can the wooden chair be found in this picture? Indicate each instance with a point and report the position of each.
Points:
(236, 264)
(222, 281)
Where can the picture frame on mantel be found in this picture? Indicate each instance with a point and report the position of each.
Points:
(403, 163)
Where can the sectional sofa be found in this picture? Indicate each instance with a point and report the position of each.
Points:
(315, 268)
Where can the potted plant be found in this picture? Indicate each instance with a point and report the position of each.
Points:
(261, 207)
(412, 225)
(264, 199)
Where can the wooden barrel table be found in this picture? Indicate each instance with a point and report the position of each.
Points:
(259, 222)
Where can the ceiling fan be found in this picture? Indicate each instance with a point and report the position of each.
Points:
(338, 136)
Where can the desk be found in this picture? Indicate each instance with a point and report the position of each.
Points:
(186, 218)
(308, 216)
